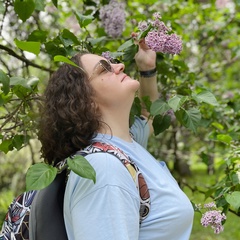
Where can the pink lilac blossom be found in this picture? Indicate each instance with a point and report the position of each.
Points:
(112, 16)
(214, 219)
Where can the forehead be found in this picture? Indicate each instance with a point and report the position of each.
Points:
(89, 61)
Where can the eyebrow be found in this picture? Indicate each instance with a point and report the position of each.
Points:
(95, 66)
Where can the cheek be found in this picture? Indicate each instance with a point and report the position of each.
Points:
(103, 92)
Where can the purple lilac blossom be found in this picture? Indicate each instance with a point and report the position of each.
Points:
(142, 26)
(214, 219)
(210, 205)
(160, 26)
(173, 44)
(156, 40)
(157, 15)
(171, 114)
(112, 16)
(107, 55)
(161, 42)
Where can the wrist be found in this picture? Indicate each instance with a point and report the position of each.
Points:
(148, 73)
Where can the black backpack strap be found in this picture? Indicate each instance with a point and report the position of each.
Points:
(46, 218)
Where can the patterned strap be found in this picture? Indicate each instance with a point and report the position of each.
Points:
(16, 222)
(132, 169)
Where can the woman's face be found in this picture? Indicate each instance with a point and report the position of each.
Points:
(112, 86)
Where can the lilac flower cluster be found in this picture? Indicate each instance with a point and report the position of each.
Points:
(112, 16)
(214, 219)
(107, 55)
(158, 37)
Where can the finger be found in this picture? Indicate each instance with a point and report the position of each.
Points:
(143, 44)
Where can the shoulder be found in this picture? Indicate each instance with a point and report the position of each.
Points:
(109, 172)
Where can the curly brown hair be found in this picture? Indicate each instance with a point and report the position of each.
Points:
(69, 117)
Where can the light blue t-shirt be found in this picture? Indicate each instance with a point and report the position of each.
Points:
(109, 209)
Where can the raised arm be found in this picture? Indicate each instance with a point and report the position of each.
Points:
(146, 63)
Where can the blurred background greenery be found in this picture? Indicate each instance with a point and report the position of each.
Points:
(203, 153)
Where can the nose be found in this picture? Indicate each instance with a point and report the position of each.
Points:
(119, 67)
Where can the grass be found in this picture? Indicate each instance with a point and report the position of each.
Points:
(231, 227)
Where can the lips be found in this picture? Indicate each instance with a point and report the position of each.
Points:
(124, 76)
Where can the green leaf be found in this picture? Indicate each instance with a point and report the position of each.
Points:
(180, 64)
(55, 3)
(82, 167)
(33, 47)
(4, 79)
(218, 125)
(205, 158)
(32, 81)
(207, 97)
(60, 58)
(2, 8)
(136, 107)
(95, 41)
(234, 200)
(224, 138)
(19, 81)
(159, 107)
(147, 102)
(40, 5)
(161, 123)
(24, 8)
(37, 36)
(22, 87)
(19, 141)
(126, 45)
(53, 48)
(191, 118)
(177, 101)
(129, 53)
(68, 38)
(39, 176)
(235, 178)
(83, 20)
(6, 146)
(135, 110)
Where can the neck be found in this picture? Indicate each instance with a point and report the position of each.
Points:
(117, 123)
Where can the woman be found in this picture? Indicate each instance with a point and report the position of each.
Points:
(92, 103)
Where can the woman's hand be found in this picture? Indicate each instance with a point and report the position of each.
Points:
(145, 57)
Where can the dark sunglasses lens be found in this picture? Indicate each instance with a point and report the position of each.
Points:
(106, 65)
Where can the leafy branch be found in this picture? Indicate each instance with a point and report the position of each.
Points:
(23, 59)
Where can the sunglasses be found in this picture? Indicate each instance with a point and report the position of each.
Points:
(105, 65)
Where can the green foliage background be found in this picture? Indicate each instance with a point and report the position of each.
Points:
(200, 86)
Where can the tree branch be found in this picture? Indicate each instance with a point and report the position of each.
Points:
(23, 59)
